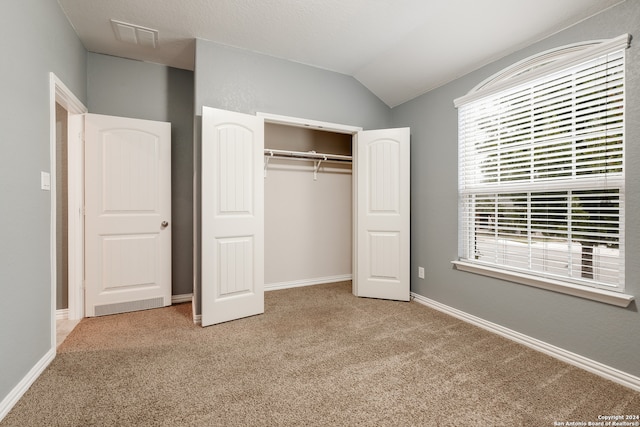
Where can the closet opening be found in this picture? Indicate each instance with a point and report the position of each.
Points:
(308, 207)
(288, 229)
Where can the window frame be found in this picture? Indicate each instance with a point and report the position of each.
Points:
(529, 70)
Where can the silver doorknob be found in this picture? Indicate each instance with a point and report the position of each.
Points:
(164, 223)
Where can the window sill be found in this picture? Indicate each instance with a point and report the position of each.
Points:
(601, 295)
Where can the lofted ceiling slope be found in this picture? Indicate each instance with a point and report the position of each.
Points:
(398, 49)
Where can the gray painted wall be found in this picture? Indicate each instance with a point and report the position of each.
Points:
(127, 88)
(595, 330)
(247, 82)
(49, 44)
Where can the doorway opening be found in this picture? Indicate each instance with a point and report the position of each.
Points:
(308, 207)
(67, 201)
(64, 325)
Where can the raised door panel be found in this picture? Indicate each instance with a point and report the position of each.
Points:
(383, 177)
(384, 260)
(236, 183)
(129, 261)
(235, 259)
(130, 171)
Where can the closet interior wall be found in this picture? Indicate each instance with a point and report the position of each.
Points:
(308, 223)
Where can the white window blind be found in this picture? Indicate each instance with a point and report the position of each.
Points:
(541, 173)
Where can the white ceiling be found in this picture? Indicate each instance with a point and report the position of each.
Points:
(398, 49)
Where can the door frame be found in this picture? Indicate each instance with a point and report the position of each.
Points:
(60, 93)
(335, 128)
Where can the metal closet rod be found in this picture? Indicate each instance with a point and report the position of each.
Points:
(306, 155)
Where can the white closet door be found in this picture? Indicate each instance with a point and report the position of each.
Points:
(232, 216)
(382, 185)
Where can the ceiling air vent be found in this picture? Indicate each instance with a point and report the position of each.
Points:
(135, 34)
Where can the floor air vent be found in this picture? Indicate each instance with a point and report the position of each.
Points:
(124, 307)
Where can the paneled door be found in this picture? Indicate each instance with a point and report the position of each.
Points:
(232, 216)
(382, 184)
(127, 214)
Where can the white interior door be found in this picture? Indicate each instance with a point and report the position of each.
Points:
(232, 216)
(382, 183)
(127, 214)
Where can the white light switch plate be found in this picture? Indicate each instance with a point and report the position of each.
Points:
(45, 180)
(421, 272)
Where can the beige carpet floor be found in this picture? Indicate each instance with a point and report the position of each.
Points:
(318, 356)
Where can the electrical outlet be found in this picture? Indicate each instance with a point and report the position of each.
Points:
(421, 272)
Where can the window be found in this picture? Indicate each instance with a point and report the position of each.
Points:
(541, 167)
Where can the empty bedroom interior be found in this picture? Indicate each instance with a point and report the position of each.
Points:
(593, 335)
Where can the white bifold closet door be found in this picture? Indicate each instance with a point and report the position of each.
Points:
(232, 216)
(382, 223)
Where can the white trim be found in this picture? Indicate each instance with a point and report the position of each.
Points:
(574, 359)
(311, 124)
(495, 84)
(306, 282)
(21, 388)
(65, 97)
(601, 295)
(178, 299)
(197, 319)
(62, 314)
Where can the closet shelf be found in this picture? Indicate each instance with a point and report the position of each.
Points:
(317, 158)
(308, 155)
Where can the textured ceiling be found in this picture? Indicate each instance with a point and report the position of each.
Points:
(398, 49)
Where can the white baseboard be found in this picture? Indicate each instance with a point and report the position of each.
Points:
(179, 299)
(19, 390)
(306, 282)
(197, 319)
(62, 314)
(574, 359)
